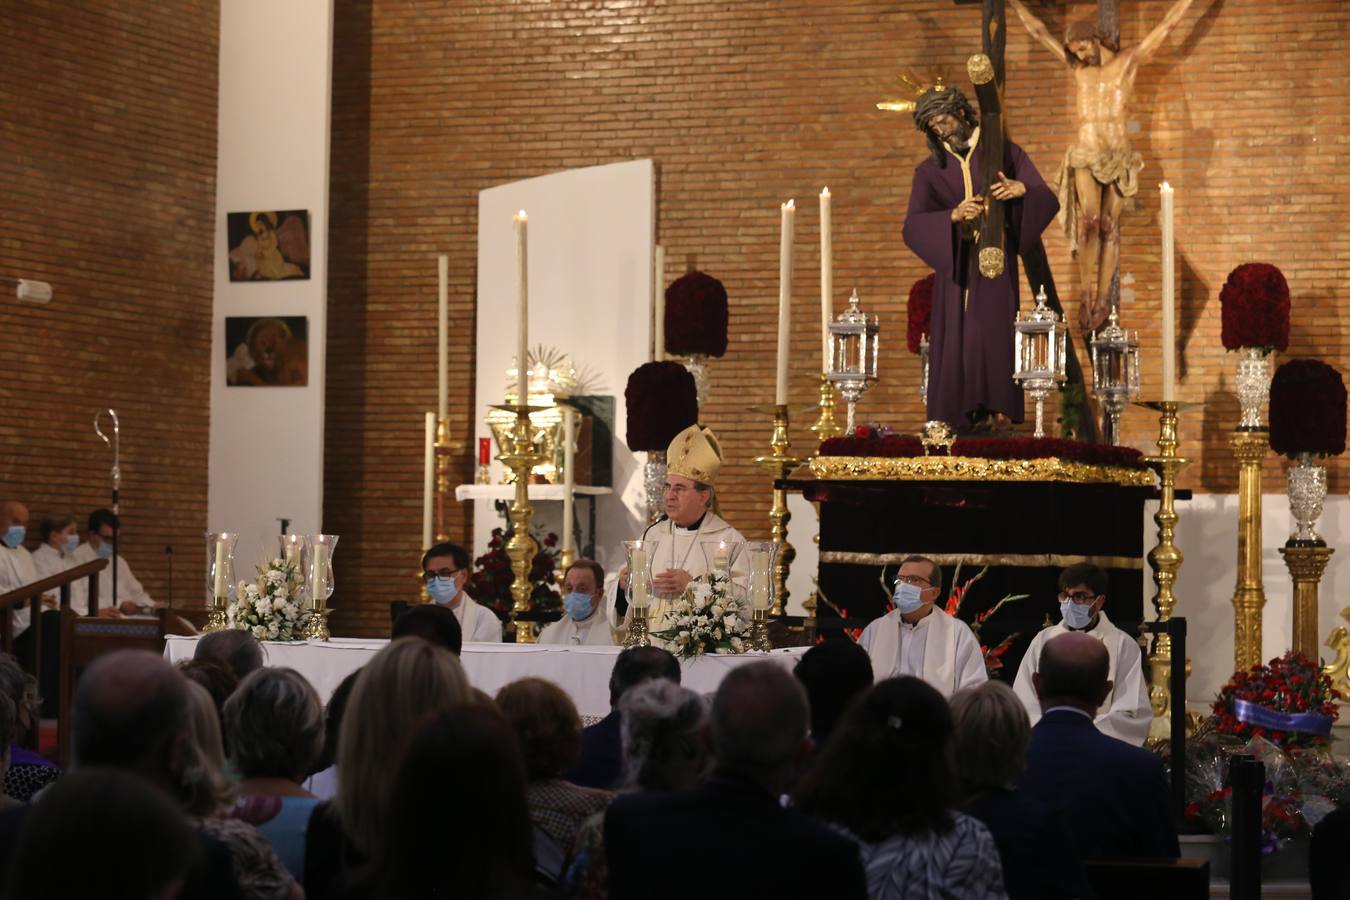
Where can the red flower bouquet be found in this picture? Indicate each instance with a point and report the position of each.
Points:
(1255, 302)
(1307, 409)
(661, 401)
(696, 316)
(1288, 701)
(920, 308)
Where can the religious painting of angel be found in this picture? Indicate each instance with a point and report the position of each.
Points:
(266, 351)
(269, 245)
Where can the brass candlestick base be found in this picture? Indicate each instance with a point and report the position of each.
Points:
(759, 630)
(826, 427)
(1165, 559)
(444, 450)
(1249, 596)
(519, 456)
(638, 634)
(1306, 564)
(780, 462)
(316, 629)
(217, 616)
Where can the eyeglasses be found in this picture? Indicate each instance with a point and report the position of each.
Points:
(440, 573)
(915, 580)
(679, 490)
(1081, 598)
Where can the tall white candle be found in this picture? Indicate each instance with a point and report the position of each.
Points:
(1169, 323)
(659, 307)
(789, 211)
(428, 479)
(569, 474)
(220, 585)
(826, 280)
(522, 310)
(443, 336)
(637, 579)
(319, 590)
(759, 579)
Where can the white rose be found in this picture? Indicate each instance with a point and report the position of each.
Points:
(737, 645)
(732, 622)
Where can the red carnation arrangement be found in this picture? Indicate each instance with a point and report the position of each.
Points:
(1307, 409)
(696, 316)
(920, 308)
(1255, 303)
(661, 402)
(1291, 684)
(903, 446)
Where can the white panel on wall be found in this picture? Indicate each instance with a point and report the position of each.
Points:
(266, 456)
(590, 269)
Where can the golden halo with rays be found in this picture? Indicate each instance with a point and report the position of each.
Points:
(936, 80)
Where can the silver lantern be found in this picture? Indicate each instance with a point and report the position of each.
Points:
(1038, 355)
(1115, 373)
(853, 356)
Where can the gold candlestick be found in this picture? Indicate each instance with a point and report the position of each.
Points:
(826, 427)
(218, 616)
(519, 456)
(1249, 597)
(1306, 564)
(759, 630)
(638, 634)
(444, 450)
(1165, 559)
(780, 463)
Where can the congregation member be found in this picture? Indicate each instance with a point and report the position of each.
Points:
(833, 673)
(918, 638)
(274, 727)
(60, 536)
(430, 622)
(8, 729)
(1112, 797)
(548, 729)
(235, 647)
(445, 567)
(693, 461)
(217, 678)
(1126, 712)
(902, 812)
(28, 772)
(404, 683)
(104, 533)
(583, 593)
(731, 832)
(16, 563)
(323, 783)
(993, 732)
(598, 764)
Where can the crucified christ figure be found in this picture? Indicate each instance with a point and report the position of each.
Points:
(1100, 170)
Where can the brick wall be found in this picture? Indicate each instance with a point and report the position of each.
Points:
(743, 104)
(107, 174)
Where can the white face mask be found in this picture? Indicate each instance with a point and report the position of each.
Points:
(908, 598)
(1075, 615)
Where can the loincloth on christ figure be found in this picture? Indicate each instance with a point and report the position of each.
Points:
(1117, 168)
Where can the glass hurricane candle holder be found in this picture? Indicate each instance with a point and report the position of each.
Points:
(320, 583)
(640, 555)
(761, 555)
(220, 547)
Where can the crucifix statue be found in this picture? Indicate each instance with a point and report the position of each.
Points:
(1100, 170)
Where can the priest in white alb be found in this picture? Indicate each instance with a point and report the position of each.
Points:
(917, 638)
(692, 463)
(1125, 713)
(584, 622)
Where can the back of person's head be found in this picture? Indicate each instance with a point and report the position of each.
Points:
(454, 551)
(235, 647)
(546, 725)
(101, 517)
(1073, 671)
(1093, 576)
(662, 741)
(21, 689)
(462, 758)
(201, 784)
(332, 720)
(431, 622)
(888, 767)
(88, 810)
(638, 664)
(275, 725)
(405, 681)
(992, 734)
(833, 673)
(130, 712)
(759, 722)
(9, 728)
(214, 675)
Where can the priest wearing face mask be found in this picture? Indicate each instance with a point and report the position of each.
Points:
(16, 563)
(60, 537)
(131, 596)
(1125, 714)
(692, 463)
(917, 638)
(445, 567)
(583, 621)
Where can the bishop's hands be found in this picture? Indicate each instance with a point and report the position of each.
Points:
(671, 582)
(1007, 188)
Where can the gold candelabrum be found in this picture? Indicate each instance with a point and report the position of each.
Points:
(638, 633)
(1249, 597)
(519, 456)
(217, 616)
(1306, 564)
(1165, 558)
(826, 427)
(444, 450)
(780, 462)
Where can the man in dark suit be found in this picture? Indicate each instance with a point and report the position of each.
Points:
(600, 763)
(730, 837)
(1111, 796)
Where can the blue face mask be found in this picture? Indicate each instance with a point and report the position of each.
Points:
(908, 598)
(14, 536)
(578, 605)
(442, 589)
(104, 550)
(70, 543)
(1074, 615)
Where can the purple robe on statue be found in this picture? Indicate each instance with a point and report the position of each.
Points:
(970, 361)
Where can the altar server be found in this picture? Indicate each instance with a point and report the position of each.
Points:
(16, 563)
(1125, 713)
(60, 537)
(583, 621)
(104, 528)
(916, 638)
(446, 570)
(692, 463)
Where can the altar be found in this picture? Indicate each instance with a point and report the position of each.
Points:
(583, 672)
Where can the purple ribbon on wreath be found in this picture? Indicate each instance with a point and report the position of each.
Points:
(1264, 717)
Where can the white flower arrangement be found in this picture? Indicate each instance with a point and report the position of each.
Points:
(706, 619)
(271, 608)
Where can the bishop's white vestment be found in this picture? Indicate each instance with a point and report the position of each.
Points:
(938, 648)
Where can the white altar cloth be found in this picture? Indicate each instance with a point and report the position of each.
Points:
(583, 672)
